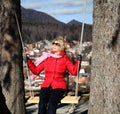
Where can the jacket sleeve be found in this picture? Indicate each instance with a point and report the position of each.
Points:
(35, 69)
(72, 68)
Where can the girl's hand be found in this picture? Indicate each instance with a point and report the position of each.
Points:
(79, 57)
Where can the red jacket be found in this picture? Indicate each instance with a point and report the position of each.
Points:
(54, 70)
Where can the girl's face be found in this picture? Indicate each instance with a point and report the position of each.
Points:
(56, 47)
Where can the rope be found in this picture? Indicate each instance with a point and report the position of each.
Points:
(28, 72)
(80, 46)
(19, 30)
(76, 90)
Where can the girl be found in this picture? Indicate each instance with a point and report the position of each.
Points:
(55, 65)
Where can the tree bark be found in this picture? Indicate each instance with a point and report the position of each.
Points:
(11, 67)
(3, 107)
(105, 79)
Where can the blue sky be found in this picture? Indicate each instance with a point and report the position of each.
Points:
(63, 10)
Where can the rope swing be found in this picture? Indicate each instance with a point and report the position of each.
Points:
(67, 99)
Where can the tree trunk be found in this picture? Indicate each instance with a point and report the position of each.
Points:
(11, 68)
(105, 79)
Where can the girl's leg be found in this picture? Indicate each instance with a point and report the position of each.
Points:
(55, 97)
(44, 98)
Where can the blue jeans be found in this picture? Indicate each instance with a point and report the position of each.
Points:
(49, 99)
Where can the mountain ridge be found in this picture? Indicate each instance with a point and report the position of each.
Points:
(37, 16)
(37, 26)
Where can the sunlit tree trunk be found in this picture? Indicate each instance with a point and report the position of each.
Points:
(11, 68)
(105, 79)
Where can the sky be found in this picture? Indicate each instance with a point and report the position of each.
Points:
(63, 10)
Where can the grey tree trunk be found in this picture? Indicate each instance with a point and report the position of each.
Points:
(11, 68)
(105, 79)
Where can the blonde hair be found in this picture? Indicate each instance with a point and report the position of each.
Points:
(62, 42)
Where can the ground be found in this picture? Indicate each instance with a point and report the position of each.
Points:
(80, 108)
